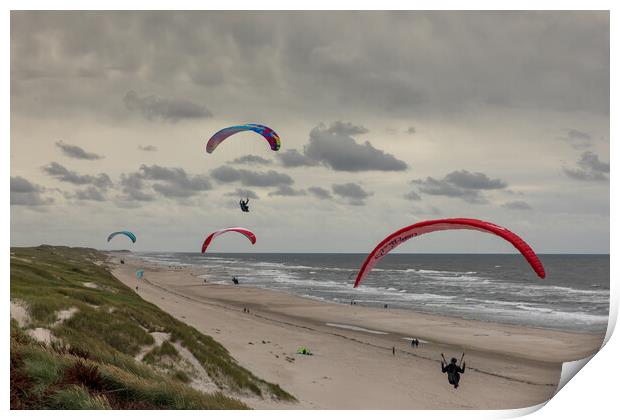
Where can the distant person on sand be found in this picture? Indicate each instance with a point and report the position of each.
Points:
(453, 370)
(393, 351)
(234, 280)
(385, 306)
(122, 261)
(413, 343)
(417, 342)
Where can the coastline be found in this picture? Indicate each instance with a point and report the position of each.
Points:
(353, 366)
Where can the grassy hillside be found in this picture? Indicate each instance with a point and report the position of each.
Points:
(98, 329)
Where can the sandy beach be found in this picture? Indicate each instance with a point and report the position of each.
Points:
(352, 366)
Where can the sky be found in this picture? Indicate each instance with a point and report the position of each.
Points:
(385, 118)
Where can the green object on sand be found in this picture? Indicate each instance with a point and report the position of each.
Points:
(304, 350)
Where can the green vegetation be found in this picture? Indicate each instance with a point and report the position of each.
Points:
(158, 353)
(92, 361)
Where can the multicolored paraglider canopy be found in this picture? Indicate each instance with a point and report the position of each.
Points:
(123, 232)
(269, 135)
(428, 226)
(139, 274)
(245, 232)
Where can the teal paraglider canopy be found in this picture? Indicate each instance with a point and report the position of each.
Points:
(123, 232)
(139, 274)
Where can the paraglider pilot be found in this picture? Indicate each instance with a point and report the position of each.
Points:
(244, 205)
(453, 370)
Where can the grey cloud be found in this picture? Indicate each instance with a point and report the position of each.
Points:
(25, 193)
(177, 183)
(517, 205)
(291, 158)
(22, 185)
(173, 191)
(153, 107)
(251, 160)
(346, 128)
(354, 193)
(29, 199)
(147, 148)
(133, 187)
(337, 150)
(434, 186)
(61, 173)
(320, 193)
(227, 174)
(89, 194)
(461, 184)
(77, 152)
(591, 161)
(430, 70)
(578, 135)
(473, 180)
(591, 168)
(172, 183)
(243, 193)
(286, 191)
(413, 196)
(577, 139)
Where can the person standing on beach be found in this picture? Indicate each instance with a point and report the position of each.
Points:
(393, 351)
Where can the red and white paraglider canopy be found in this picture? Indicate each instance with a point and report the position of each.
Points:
(428, 226)
(245, 232)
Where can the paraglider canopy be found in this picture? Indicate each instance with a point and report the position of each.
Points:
(139, 274)
(428, 226)
(245, 232)
(271, 136)
(123, 232)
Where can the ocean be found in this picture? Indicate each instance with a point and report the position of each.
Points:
(500, 288)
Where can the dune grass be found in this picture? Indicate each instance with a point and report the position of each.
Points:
(53, 377)
(110, 326)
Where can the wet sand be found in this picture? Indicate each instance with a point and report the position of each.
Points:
(353, 366)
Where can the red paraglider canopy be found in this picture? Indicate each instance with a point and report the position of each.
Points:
(245, 232)
(428, 226)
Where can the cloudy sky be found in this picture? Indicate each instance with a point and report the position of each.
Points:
(386, 119)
